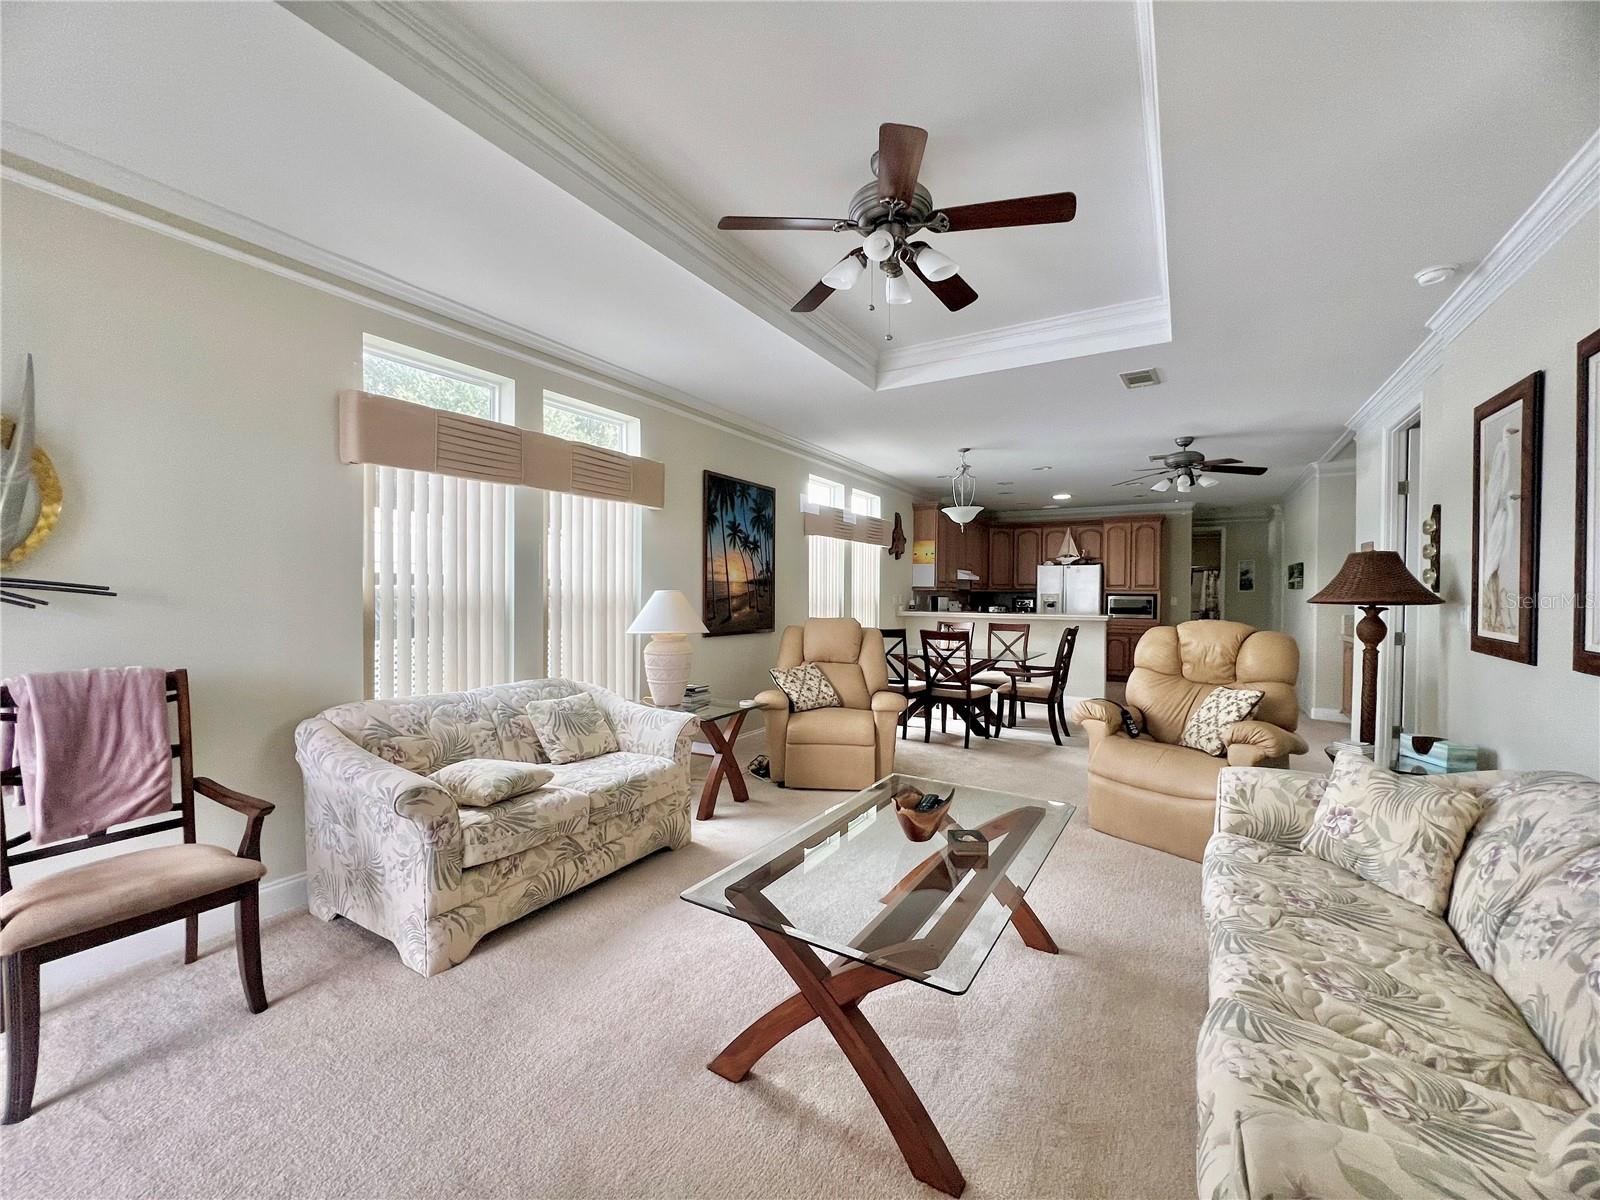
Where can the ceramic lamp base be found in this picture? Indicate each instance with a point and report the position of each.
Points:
(666, 667)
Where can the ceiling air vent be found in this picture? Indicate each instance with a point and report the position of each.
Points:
(1148, 377)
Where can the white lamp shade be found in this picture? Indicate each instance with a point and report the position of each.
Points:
(963, 514)
(667, 612)
(1160, 485)
(1183, 483)
(935, 266)
(896, 290)
(1207, 481)
(878, 245)
(842, 276)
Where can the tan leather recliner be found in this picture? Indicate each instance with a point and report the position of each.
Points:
(845, 748)
(1155, 792)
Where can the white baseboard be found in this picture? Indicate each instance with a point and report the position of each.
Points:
(278, 896)
(1330, 714)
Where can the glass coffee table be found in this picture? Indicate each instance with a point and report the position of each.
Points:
(853, 882)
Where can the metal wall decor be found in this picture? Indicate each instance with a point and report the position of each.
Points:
(1430, 549)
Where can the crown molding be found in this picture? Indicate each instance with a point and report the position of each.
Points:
(1074, 335)
(1323, 468)
(1150, 102)
(424, 48)
(1570, 196)
(1217, 517)
(1066, 516)
(153, 206)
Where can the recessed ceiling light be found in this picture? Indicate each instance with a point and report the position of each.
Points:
(1062, 496)
(1429, 276)
(1044, 468)
(1148, 377)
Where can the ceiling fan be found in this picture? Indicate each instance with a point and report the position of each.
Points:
(1184, 468)
(894, 207)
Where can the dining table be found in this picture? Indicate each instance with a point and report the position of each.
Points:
(913, 666)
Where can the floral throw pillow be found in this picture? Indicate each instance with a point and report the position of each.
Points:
(480, 782)
(806, 686)
(572, 728)
(1401, 832)
(1207, 724)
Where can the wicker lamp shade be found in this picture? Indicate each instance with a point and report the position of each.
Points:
(1375, 577)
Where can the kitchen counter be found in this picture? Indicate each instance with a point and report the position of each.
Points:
(1086, 679)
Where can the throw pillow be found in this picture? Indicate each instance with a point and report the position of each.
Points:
(1207, 724)
(1401, 832)
(806, 686)
(572, 728)
(480, 782)
(1570, 1165)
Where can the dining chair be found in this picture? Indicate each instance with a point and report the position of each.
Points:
(107, 899)
(902, 678)
(1008, 641)
(1048, 684)
(947, 655)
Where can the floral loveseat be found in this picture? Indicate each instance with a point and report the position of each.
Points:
(388, 848)
(1358, 1045)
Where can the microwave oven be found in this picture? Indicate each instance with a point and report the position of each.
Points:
(1134, 607)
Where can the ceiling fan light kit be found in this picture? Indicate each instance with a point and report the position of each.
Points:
(1185, 468)
(845, 273)
(892, 208)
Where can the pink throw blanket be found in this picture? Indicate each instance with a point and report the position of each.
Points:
(93, 748)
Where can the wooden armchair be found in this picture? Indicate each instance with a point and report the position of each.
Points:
(112, 898)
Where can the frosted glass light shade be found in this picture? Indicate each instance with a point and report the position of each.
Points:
(878, 245)
(842, 276)
(1207, 481)
(1183, 483)
(962, 514)
(935, 266)
(896, 290)
(1161, 485)
(667, 612)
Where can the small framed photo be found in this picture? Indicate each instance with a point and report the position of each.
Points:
(1506, 448)
(1297, 576)
(1586, 580)
(1247, 574)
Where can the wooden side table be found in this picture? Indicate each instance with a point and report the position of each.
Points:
(709, 711)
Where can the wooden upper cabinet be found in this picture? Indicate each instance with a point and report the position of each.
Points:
(1145, 570)
(1118, 556)
(1091, 540)
(1027, 554)
(1055, 537)
(949, 551)
(975, 553)
(1002, 557)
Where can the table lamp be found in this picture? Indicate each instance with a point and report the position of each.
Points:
(1373, 580)
(667, 617)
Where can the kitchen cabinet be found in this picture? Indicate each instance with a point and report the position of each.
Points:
(1132, 554)
(1091, 541)
(1002, 558)
(975, 553)
(1121, 638)
(1055, 537)
(1027, 554)
(949, 551)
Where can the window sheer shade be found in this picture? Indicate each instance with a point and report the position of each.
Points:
(865, 564)
(593, 591)
(827, 558)
(440, 592)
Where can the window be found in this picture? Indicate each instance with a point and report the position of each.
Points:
(438, 547)
(827, 556)
(844, 575)
(592, 560)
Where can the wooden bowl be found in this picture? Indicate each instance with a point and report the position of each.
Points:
(918, 826)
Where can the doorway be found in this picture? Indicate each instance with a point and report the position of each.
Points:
(1408, 541)
(1205, 576)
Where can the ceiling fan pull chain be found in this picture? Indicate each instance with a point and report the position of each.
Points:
(872, 285)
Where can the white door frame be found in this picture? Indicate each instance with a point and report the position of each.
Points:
(1393, 470)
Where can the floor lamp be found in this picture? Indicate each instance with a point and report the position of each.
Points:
(1373, 580)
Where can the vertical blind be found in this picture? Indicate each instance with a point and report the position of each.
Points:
(593, 591)
(440, 586)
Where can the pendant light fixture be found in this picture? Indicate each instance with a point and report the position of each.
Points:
(963, 493)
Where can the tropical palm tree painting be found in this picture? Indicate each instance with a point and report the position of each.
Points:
(740, 521)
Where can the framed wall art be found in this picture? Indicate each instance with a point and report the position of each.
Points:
(1506, 448)
(1586, 578)
(738, 555)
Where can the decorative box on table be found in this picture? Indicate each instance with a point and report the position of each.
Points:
(1423, 755)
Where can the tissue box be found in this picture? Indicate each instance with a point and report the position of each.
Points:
(1434, 755)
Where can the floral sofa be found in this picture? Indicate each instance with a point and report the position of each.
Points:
(1358, 1045)
(389, 849)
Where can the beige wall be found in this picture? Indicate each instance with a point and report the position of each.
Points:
(1247, 534)
(1542, 716)
(188, 402)
(1318, 531)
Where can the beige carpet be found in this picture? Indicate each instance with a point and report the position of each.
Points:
(566, 1057)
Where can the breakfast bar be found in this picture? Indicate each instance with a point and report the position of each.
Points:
(1087, 678)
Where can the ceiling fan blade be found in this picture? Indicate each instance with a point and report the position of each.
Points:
(900, 150)
(1160, 457)
(1145, 478)
(1221, 462)
(1241, 470)
(825, 224)
(954, 293)
(812, 299)
(1003, 214)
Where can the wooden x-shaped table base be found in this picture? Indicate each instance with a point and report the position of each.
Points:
(835, 996)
